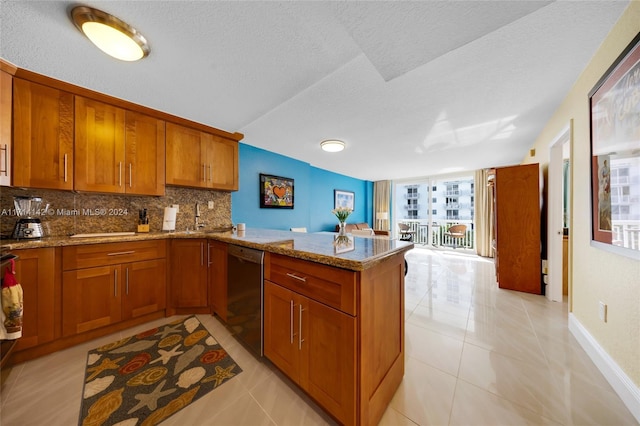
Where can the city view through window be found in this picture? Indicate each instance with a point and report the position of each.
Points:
(430, 206)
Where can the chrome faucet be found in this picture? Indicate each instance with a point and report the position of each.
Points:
(199, 224)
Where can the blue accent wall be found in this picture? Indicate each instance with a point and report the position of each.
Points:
(313, 193)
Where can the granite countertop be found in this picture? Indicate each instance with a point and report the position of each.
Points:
(355, 253)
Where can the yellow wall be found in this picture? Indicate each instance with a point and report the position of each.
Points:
(597, 275)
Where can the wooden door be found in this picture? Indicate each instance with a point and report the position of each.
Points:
(517, 200)
(144, 289)
(99, 147)
(37, 274)
(144, 154)
(221, 162)
(327, 343)
(42, 136)
(217, 262)
(91, 298)
(6, 115)
(184, 164)
(189, 274)
(281, 329)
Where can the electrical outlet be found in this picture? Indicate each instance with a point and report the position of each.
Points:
(602, 311)
(210, 205)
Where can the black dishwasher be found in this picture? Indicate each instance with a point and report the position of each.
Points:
(244, 295)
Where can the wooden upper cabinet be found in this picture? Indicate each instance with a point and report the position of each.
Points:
(222, 160)
(6, 91)
(144, 154)
(42, 136)
(199, 159)
(118, 151)
(184, 165)
(99, 162)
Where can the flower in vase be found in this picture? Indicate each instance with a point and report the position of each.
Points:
(342, 213)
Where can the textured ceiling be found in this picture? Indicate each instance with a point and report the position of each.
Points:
(413, 88)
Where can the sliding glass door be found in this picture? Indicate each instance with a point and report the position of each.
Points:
(431, 205)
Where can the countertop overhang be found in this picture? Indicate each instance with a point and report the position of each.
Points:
(351, 252)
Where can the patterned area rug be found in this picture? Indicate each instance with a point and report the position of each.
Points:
(143, 379)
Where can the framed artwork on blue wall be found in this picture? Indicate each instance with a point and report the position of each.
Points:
(344, 199)
(276, 192)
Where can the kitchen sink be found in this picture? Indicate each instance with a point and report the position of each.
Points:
(103, 234)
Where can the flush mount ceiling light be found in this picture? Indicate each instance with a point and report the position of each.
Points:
(111, 35)
(332, 145)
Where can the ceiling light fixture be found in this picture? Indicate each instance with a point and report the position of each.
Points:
(111, 35)
(332, 145)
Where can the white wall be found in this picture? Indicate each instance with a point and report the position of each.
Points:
(598, 275)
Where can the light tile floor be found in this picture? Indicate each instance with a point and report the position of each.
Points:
(476, 355)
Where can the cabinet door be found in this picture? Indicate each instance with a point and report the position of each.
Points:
(145, 288)
(99, 150)
(221, 163)
(328, 351)
(42, 136)
(145, 154)
(6, 90)
(91, 298)
(189, 274)
(184, 165)
(281, 329)
(36, 273)
(217, 262)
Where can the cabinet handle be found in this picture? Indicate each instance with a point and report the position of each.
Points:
(127, 280)
(120, 253)
(210, 175)
(65, 167)
(5, 148)
(209, 262)
(300, 339)
(294, 276)
(115, 283)
(291, 333)
(201, 254)
(120, 173)
(130, 177)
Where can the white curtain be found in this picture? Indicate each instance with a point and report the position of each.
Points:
(381, 201)
(483, 213)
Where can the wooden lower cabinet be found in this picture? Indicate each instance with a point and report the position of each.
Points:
(338, 334)
(38, 273)
(217, 264)
(104, 284)
(104, 295)
(189, 273)
(315, 345)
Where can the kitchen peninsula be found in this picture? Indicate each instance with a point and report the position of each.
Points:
(333, 310)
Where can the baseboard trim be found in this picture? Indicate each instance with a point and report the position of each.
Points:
(621, 383)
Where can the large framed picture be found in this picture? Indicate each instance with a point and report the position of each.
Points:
(276, 192)
(344, 199)
(614, 104)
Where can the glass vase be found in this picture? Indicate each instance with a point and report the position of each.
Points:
(342, 229)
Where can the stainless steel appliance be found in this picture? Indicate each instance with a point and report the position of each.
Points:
(27, 226)
(245, 274)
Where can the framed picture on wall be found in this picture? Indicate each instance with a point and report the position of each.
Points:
(615, 155)
(276, 192)
(343, 199)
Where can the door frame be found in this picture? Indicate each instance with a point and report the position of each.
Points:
(553, 290)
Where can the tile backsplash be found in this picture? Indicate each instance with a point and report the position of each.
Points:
(78, 213)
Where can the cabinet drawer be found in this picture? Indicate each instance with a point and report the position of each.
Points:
(88, 256)
(332, 286)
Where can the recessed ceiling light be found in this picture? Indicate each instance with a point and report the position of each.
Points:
(111, 35)
(332, 145)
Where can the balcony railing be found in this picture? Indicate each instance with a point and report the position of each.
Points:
(434, 234)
